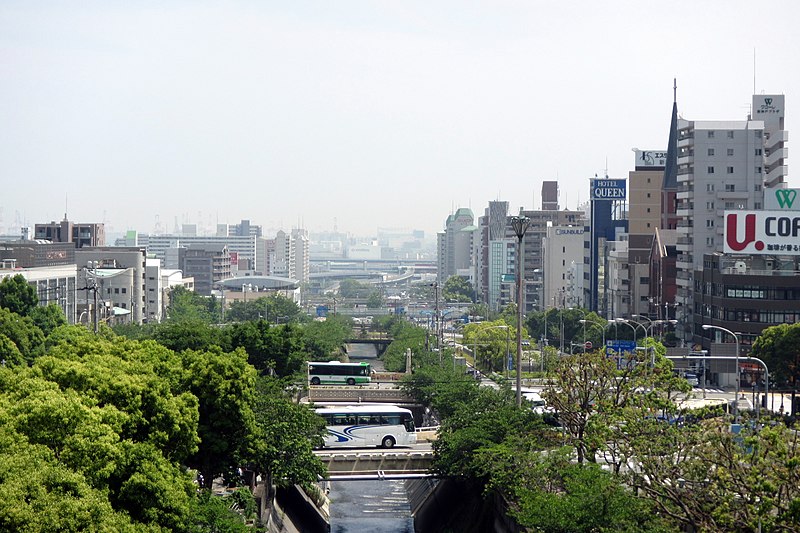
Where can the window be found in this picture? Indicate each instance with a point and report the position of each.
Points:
(644, 280)
(730, 187)
(730, 135)
(758, 134)
(757, 187)
(648, 209)
(124, 290)
(758, 151)
(709, 205)
(710, 170)
(563, 249)
(758, 170)
(730, 152)
(709, 241)
(711, 134)
(710, 223)
(116, 290)
(710, 151)
(709, 187)
(730, 170)
(757, 205)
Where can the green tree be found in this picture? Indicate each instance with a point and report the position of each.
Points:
(21, 330)
(189, 334)
(48, 318)
(779, 347)
(566, 498)
(285, 437)
(374, 300)
(224, 384)
(17, 295)
(458, 289)
(350, 288)
(185, 305)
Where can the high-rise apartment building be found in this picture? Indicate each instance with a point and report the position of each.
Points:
(723, 165)
(285, 256)
(456, 246)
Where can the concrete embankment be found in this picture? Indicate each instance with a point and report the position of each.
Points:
(455, 505)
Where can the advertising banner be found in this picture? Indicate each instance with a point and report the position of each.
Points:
(762, 232)
(650, 158)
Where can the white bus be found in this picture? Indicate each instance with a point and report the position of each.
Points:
(368, 425)
(336, 373)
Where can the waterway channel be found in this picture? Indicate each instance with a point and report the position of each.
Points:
(370, 506)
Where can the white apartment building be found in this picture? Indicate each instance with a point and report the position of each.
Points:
(285, 256)
(562, 249)
(723, 165)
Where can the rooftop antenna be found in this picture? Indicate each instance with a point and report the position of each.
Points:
(754, 72)
(66, 205)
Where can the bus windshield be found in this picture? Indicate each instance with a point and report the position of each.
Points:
(336, 373)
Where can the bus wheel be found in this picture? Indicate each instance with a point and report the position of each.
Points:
(351, 381)
(387, 442)
(315, 381)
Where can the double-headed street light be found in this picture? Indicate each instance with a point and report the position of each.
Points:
(736, 338)
(520, 226)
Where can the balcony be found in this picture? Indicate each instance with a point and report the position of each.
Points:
(775, 156)
(775, 139)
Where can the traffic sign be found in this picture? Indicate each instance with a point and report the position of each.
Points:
(588, 345)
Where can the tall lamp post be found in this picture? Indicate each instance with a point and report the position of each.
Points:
(736, 338)
(520, 225)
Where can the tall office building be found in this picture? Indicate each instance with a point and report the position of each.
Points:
(455, 246)
(550, 196)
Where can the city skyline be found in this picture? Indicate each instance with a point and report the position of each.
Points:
(358, 116)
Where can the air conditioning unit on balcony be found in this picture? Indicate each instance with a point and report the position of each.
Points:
(740, 267)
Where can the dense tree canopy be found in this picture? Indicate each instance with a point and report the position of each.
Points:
(17, 295)
(779, 347)
(458, 289)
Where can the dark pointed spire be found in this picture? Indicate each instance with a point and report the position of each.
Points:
(671, 167)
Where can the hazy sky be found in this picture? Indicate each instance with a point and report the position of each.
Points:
(361, 114)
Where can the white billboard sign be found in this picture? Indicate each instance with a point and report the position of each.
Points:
(783, 199)
(762, 232)
(651, 158)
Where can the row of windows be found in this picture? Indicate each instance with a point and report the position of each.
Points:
(730, 152)
(748, 292)
(117, 290)
(751, 315)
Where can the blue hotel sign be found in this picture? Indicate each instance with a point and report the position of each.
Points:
(605, 189)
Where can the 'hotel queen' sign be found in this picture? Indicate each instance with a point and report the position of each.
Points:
(606, 189)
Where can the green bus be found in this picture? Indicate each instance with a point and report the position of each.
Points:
(336, 373)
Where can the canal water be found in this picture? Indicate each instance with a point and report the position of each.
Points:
(370, 506)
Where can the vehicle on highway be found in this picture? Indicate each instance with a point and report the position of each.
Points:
(338, 373)
(368, 425)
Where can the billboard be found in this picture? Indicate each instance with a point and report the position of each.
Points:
(606, 189)
(762, 232)
(783, 199)
(650, 158)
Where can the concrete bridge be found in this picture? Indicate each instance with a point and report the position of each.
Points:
(372, 393)
(376, 464)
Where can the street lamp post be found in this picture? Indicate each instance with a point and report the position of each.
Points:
(602, 329)
(736, 338)
(520, 225)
